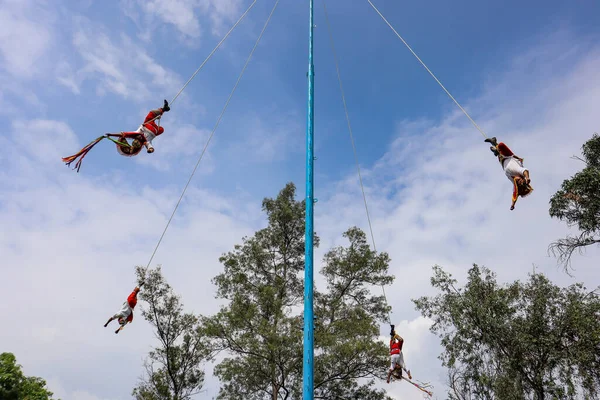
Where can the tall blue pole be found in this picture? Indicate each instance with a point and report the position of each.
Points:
(308, 365)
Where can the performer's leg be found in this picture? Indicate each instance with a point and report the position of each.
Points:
(149, 147)
(492, 141)
(504, 150)
(403, 366)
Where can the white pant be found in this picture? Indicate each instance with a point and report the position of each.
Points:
(397, 359)
(148, 134)
(124, 312)
(513, 167)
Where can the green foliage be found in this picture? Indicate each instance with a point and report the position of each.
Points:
(173, 370)
(14, 385)
(347, 321)
(578, 204)
(261, 326)
(523, 340)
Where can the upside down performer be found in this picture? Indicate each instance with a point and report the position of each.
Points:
(397, 358)
(398, 364)
(143, 136)
(513, 168)
(125, 314)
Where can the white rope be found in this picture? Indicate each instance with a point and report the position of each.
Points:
(213, 131)
(337, 67)
(157, 118)
(214, 50)
(428, 70)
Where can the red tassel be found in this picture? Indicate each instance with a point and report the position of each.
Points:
(81, 154)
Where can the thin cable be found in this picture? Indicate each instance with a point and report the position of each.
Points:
(428, 70)
(213, 131)
(214, 50)
(337, 67)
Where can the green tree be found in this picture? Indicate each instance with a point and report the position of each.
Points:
(348, 317)
(260, 328)
(174, 368)
(578, 204)
(518, 341)
(14, 385)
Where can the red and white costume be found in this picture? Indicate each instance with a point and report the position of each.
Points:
(144, 136)
(396, 354)
(512, 166)
(125, 314)
(148, 131)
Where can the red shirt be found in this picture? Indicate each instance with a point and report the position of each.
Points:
(395, 347)
(132, 299)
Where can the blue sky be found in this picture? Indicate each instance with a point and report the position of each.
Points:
(528, 73)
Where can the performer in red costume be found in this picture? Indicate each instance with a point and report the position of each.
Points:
(143, 136)
(513, 169)
(125, 314)
(396, 343)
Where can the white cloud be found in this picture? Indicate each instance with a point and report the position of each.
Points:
(184, 15)
(267, 137)
(124, 69)
(222, 11)
(28, 53)
(419, 348)
(437, 195)
(181, 142)
(42, 140)
(14, 94)
(59, 392)
(69, 246)
(26, 36)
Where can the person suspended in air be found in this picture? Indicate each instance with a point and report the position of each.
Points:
(513, 168)
(146, 133)
(142, 137)
(125, 314)
(396, 356)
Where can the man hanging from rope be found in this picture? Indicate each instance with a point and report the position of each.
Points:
(125, 314)
(146, 133)
(143, 136)
(513, 168)
(397, 358)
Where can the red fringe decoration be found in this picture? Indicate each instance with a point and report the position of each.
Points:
(82, 153)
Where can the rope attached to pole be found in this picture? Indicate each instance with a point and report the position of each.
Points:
(337, 67)
(428, 70)
(213, 132)
(208, 57)
(214, 50)
(83, 152)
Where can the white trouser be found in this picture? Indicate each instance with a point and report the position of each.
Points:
(397, 359)
(513, 167)
(124, 312)
(148, 134)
